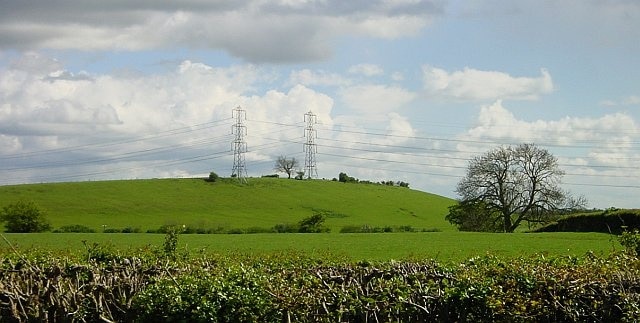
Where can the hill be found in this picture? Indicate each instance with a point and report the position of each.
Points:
(262, 202)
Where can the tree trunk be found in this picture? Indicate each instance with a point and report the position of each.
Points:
(507, 222)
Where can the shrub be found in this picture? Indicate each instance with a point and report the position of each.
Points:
(631, 242)
(24, 217)
(112, 230)
(608, 221)
(313, 224)
(351, 229)
(258, 230)
(286, 228)
(74, 228)
(213, 177)
(170, 245)
(344, 178)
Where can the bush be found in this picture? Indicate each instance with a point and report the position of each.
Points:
(344, 178)
(24, 217)
(608, 221)
(74, 228)
(313, 224)
(631, 242)
(258, 230)
(213, 177)
(286, 228)
(386, 229)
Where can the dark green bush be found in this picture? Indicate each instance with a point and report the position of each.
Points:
(286, 228)
(258, 230)
(386, 229)
(213, 177)
(24, 217)
(112, 230)
(312, 224)
(608, 221)
(74, 228)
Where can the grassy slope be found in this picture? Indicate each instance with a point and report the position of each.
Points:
(262, 202)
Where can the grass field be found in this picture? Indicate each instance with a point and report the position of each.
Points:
(263, 202)
(443, 246)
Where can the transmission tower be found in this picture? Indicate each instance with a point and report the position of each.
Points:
(239, 145)
(310, 147)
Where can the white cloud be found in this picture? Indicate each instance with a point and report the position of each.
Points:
(366, 69)
(397, 76)
(476, 85)
(608, 140)
(44, 109)
(309, 78)
(495, 122)
(630, 100)
(374, 99)
(255, 30)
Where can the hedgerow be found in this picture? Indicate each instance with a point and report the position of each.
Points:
(150, 285)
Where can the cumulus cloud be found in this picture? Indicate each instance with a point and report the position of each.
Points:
(319, 77)
(254, 30)
(372, 99)
(151, 124)
(476, 85)
(607, 140)
(630, 100)
(366, 69)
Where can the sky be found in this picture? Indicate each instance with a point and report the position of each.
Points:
(404, 90)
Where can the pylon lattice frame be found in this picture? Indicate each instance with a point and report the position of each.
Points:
(239, 145)
(310, 147)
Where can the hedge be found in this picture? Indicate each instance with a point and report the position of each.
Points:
(608, 221)
(296, 288)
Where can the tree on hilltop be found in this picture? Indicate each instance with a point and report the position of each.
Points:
(286, 165)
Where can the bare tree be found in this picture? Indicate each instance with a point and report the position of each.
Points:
(286, 165)
(513, 184)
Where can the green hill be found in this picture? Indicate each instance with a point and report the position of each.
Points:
(262, 202)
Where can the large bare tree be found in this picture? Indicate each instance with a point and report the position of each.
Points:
(509, 185)
(286, 165)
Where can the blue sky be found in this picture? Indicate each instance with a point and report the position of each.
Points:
(405, 90)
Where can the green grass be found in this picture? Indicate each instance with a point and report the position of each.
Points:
(443, 246)
(263, 202)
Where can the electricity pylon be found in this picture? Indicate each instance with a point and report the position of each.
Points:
(310, 147)
(239, 145)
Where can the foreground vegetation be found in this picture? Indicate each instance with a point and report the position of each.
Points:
(166, 284)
